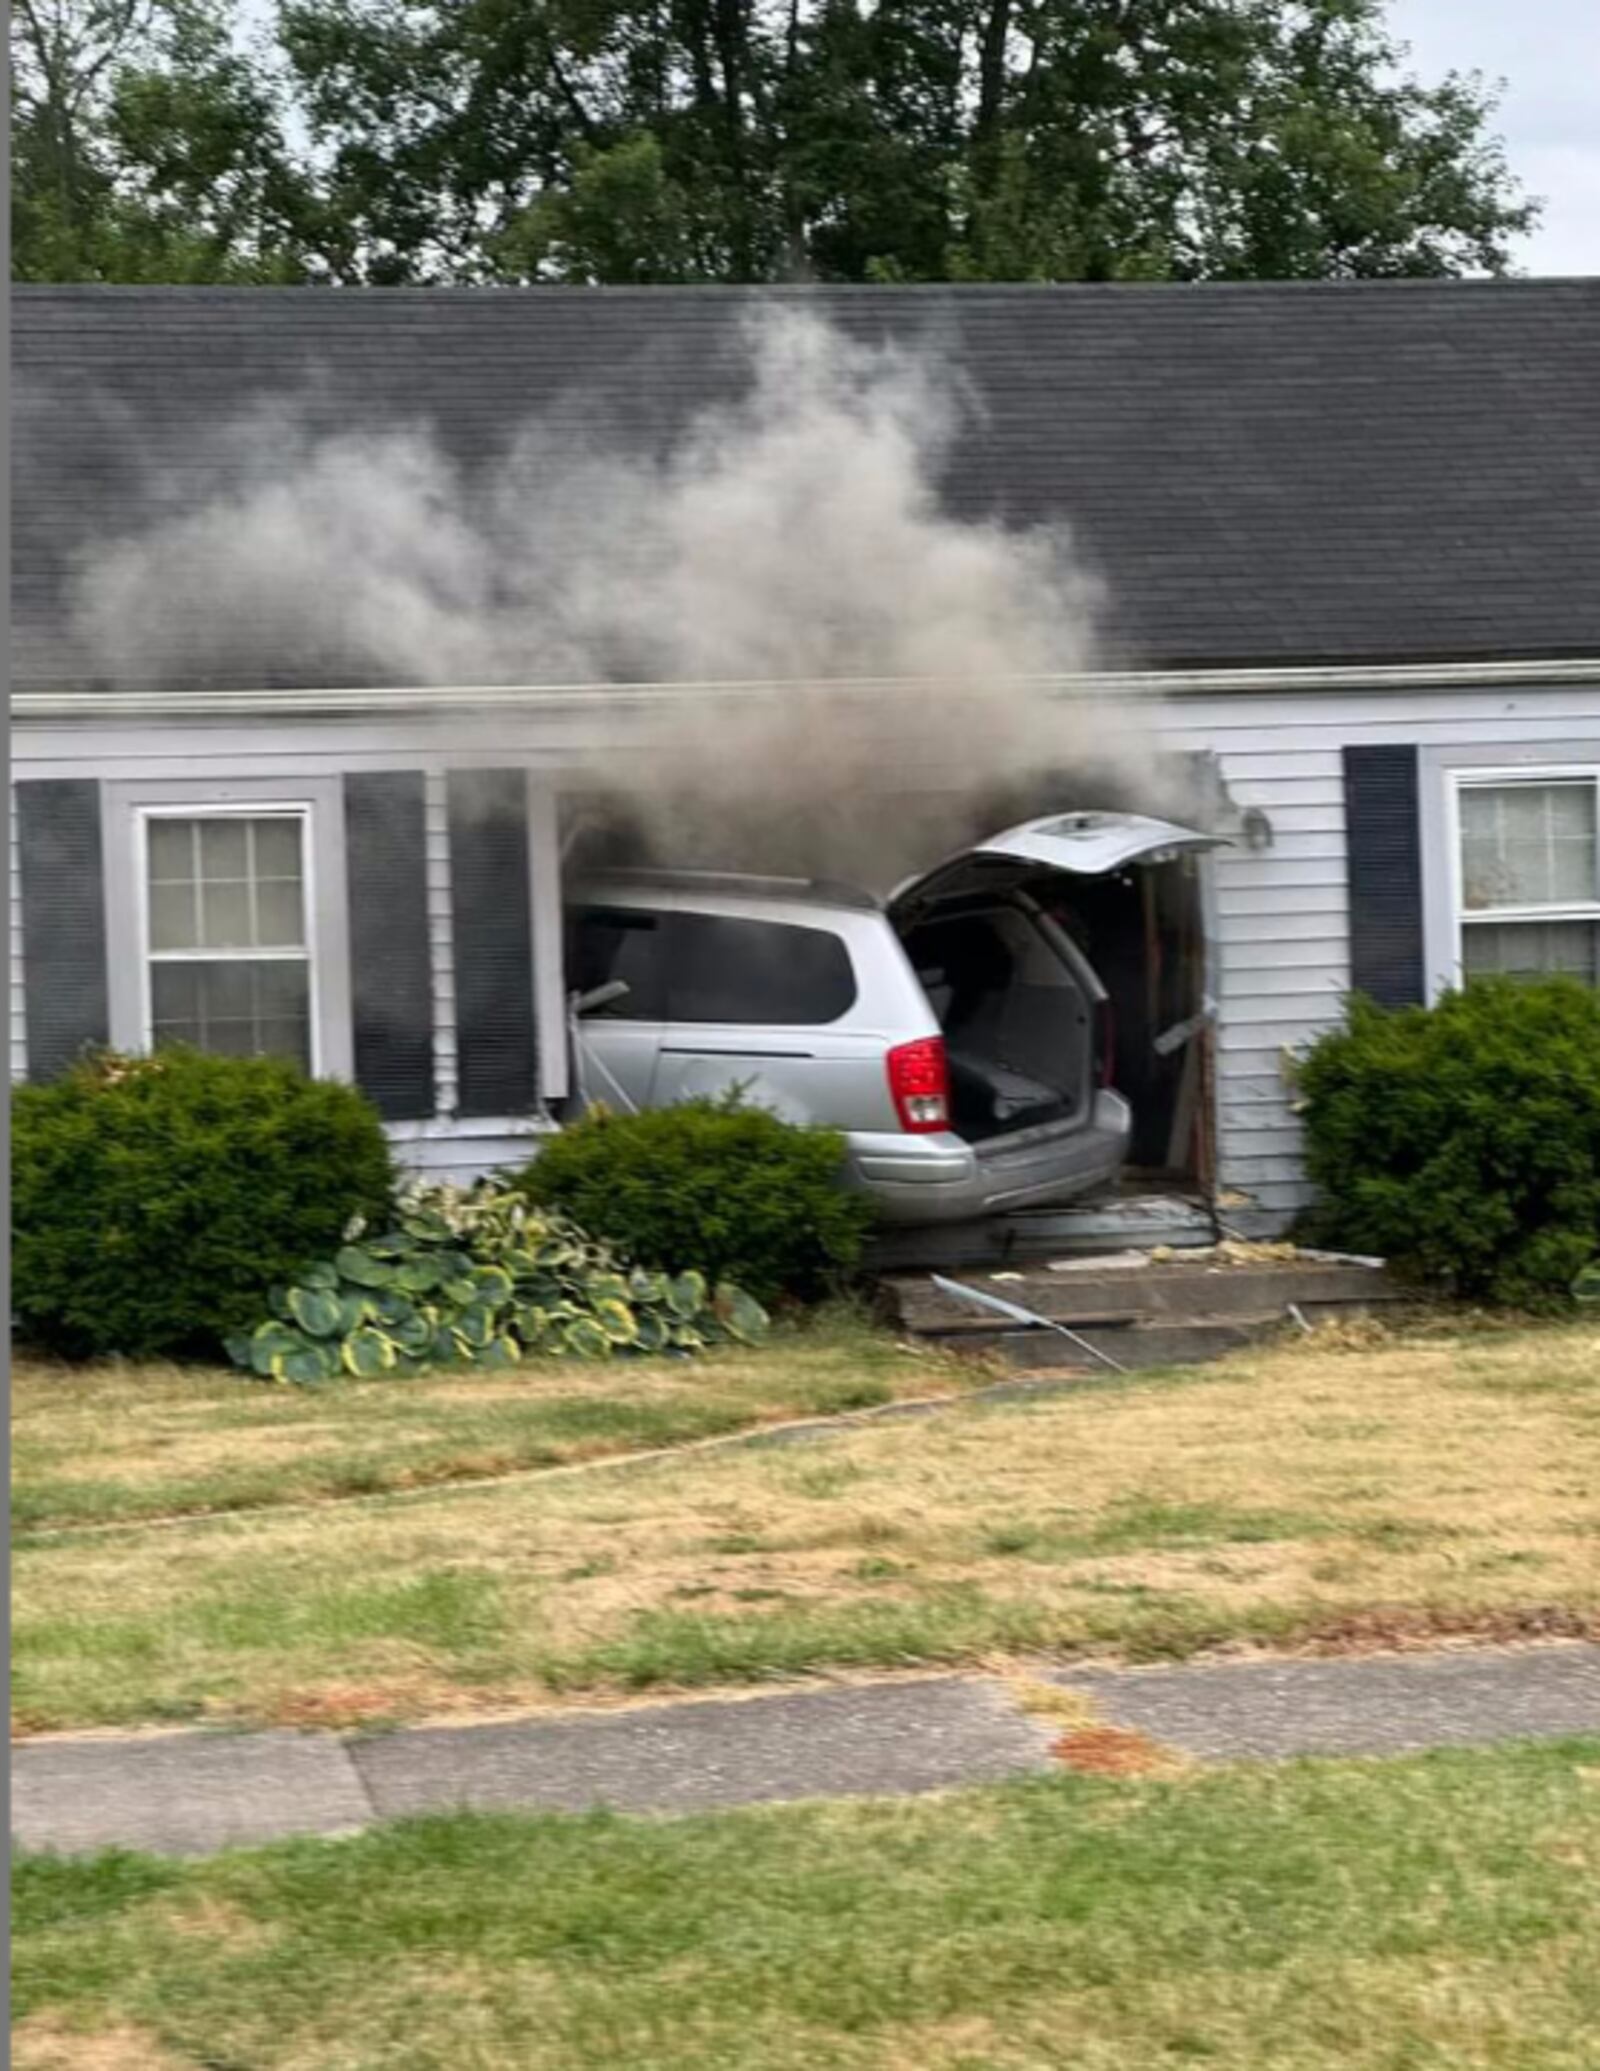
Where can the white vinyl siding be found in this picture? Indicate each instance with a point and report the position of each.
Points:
(1280, 914)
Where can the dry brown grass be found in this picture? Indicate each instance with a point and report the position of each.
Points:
(1302, 1491)
(44, 2043)
(118, 1441)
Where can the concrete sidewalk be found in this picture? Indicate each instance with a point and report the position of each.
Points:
(194, 1793)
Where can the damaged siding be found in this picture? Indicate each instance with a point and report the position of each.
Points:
(1281, 953)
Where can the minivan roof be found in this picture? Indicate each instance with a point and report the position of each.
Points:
(733, 884)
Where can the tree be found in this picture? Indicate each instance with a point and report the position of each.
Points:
(145, 146)
(752, 140)
(907, 139)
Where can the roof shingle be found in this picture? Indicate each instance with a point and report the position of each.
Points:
(1264, 473)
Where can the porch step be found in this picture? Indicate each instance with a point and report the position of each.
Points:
(1154, 1315)
(1166, 1292)
(1109, 1222)
(1133, 1346)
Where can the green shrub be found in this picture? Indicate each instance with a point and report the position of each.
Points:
(478, 1278)
(710, 1184)
(1462, 1140)
(155, 1200)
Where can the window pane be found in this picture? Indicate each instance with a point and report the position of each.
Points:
(223, 849)
(277, 848)
(175, 992)
(284, 1039)
(230, 1038)
(172, 917)
(235, 1007)
(171, 850)
(227, 991)
(281, 988)
(1529, 844)
(278, 914)
(1532, 949)
(752, 971)
(236, 856)
(225, 912)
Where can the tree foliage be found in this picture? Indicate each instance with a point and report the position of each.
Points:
(146, 146)
(753, 140)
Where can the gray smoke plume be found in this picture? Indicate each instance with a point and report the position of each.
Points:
(792, 543)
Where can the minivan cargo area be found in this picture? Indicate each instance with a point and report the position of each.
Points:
(959, 1033)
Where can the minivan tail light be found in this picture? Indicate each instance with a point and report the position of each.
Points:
(919, 1083)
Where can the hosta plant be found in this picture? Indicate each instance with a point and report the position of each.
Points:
(479, 1278)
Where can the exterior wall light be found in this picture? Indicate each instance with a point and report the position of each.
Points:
(1256, 829)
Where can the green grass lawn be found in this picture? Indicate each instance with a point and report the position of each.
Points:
(94, 1444)
(1438, 1913)
(1303, 1491)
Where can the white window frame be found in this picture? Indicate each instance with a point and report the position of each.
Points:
(297, 810)
(128, 808)
(1463, 917)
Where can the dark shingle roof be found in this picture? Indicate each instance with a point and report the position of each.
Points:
(1265, 473)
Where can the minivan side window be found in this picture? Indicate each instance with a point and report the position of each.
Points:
(609, 943)
(755, 971)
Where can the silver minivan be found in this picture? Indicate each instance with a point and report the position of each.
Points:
(956, 1032)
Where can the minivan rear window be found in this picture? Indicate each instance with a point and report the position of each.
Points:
(720, 969)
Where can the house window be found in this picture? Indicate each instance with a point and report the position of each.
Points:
(228, 963)
(1529, 853)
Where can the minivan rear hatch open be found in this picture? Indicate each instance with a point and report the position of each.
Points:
(1028, 991)
(1077, 844)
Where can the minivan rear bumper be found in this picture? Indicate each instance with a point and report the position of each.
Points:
(942, 1178)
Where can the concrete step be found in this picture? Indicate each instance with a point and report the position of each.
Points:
(1107, 1223)
(1176, 1292)
(1133, 1346)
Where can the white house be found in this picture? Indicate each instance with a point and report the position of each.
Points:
(1349, 532)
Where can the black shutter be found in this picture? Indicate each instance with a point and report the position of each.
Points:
(1384, 838)
(391, 986)
(493, 940)
(63, 920)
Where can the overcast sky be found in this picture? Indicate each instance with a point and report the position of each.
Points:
(1548, 54)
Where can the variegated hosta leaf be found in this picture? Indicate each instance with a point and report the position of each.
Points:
(474, 1277)
(617, 1320)
(740, 1314)
(317, 1310)
(686, 1295)
(358, 1265)
(653, 1331)
(369, 1352)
